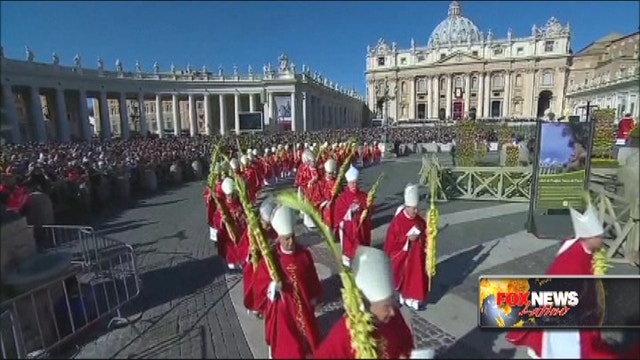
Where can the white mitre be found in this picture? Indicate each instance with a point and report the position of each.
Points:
(266, 209)
(330, 166)
(283, 221)
(234, 164)
(411, 195)
(227, 186)
(587, 224)
(244, 160)
(423, 354)
(372, 272)
(352, 174)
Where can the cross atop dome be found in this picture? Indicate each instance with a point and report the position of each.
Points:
(455, 9)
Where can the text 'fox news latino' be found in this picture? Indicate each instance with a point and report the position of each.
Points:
(559, 302)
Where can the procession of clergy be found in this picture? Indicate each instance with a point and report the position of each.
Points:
(382, 276)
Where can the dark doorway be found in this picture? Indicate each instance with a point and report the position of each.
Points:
(442, 114)
(544, 102)
(422, 111)
(496, 108)
(458, 110)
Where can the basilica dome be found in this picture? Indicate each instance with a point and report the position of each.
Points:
(455, 29)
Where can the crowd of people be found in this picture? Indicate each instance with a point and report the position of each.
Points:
(73, 174)
(282, 287)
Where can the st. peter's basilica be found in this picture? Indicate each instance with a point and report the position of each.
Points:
(464, 72)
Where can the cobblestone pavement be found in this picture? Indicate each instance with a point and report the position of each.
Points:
(185, 308)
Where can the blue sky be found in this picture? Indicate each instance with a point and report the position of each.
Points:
(331, 37)
(555, 144)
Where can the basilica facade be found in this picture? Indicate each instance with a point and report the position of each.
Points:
(464, 72)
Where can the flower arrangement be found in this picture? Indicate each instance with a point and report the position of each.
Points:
(605, 133)
(504, 134)
(466, 133)
(513, 154)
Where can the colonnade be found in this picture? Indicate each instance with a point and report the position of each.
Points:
(69, 112)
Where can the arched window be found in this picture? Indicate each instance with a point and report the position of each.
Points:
(518, 80)
(443, 83)
(421, 86)
(497, 82)
(474, 83)
(459, 83)
(547, 78)
(403, 87)
(518, 108)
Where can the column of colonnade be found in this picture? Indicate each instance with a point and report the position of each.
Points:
(60, 110)
(208, 112)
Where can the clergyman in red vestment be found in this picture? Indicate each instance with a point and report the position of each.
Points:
(406, 246)
(227, 248)
(291, 328)
(326, 191)
(372, 272)
(266, 210)
(347, 211)
(574, 258)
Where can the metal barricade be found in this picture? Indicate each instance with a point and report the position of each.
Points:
(103, 278)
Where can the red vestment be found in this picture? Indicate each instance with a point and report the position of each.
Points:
(258, 177)
(211, 204)
(351, 233)
(366, 156)
(267, 170)
(377, 154)
(291, 328)
(575, 260)
(326, 186)
(298, 158)
(313, 190)
(624, 128)
(302, 176)
(394, 338)
(248, 272)
(18, 197)
(227, 248)
(273, 162)
(251, 179)
(408, 257)
(287, 161)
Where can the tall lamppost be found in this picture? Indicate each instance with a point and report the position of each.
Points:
(386, 98)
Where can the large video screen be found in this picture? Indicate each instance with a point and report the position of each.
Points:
(251, 121)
